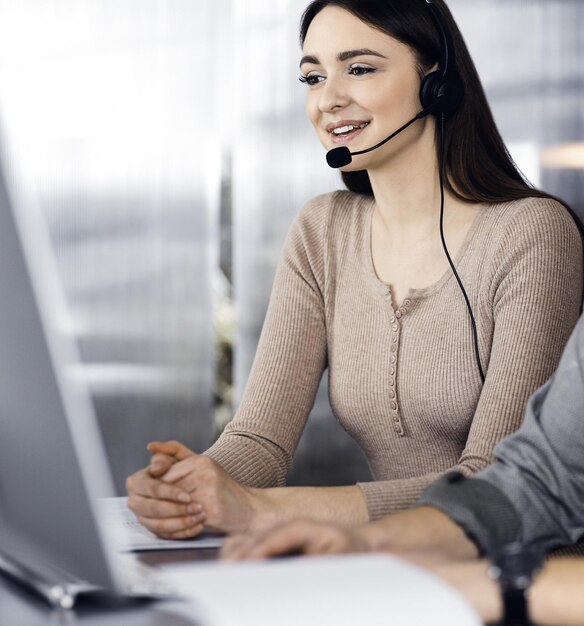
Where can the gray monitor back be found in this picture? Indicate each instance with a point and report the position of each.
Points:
(52, 465)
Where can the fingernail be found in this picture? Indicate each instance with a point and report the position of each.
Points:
(195, 508)
(198, 518)
(184, 497)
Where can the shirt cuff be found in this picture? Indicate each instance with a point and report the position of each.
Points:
(483, 511)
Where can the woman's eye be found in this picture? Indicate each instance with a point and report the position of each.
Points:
(311, 79)
(360, 70)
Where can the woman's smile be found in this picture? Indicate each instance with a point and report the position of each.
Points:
(345, 131)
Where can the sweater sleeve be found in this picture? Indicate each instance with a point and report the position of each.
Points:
(537, 476)
(256, 447)
(535, 290)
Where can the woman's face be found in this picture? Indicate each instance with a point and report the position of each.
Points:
(362, 85)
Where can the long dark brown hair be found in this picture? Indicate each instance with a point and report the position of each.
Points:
(478, 166)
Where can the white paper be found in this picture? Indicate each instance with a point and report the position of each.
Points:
(126, 534)
(360, 590)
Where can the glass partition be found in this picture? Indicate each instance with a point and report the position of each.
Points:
(108, 111)
(167, 143)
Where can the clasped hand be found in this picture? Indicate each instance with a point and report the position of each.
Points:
(180, 493)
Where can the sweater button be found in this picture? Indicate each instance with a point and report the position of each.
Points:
(393, 405)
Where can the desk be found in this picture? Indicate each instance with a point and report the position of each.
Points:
(21, 607)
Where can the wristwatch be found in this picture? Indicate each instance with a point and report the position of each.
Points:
(514, 567)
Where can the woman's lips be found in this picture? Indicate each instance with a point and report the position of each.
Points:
(347, 137)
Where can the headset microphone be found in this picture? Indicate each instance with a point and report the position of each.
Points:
(341, 156)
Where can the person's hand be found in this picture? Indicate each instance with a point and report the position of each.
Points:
(165, 454)
(297, 537)
(165, 509)
(229, 506)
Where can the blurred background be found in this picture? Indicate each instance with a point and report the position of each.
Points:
(166, 144)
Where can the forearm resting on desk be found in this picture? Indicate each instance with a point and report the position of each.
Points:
(421, 528)
(345, 506)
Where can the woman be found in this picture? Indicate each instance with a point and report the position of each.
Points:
(364, 288)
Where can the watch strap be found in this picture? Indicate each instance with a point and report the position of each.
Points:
(515, 611)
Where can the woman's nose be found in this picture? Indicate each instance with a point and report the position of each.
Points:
(333, 96)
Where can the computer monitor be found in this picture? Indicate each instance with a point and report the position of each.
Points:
(52, 463)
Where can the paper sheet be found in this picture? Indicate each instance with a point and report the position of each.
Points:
(126, 534)
(368, 590)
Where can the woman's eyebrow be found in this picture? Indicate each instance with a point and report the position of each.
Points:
(308, 59)
(343, 56)
(349, 54)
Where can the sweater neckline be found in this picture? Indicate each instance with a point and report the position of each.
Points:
(383, 288)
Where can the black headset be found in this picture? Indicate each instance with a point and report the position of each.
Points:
(442, 90)
(441, 93)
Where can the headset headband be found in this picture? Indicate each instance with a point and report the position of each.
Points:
(442, 91)
(447, 60)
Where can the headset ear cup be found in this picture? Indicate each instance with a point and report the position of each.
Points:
(447, 91)
(428, 88)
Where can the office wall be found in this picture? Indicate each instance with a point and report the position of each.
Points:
(167, 145)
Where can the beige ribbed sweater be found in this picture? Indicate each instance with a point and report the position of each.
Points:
(404, 383)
